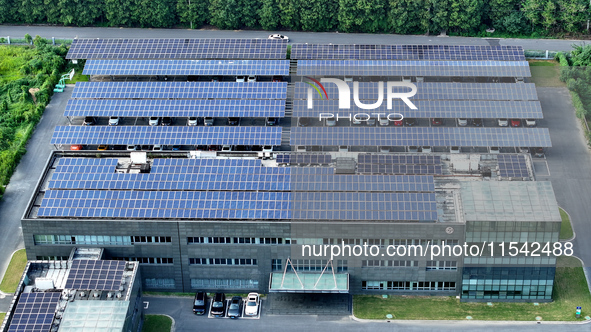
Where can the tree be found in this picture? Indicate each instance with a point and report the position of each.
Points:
(249, 13)
(318, 15)
(362, 15)
(515, 23)
(9, 12)
(79, 12)
(440, 15)
(31, 11)
(549, 15)
(119, 13)
(28, 38)
(499, 10)
(532, 11)
(289, 13)
(572, 13)
(268, 14)
(155, 13)
(195, 13)
(409, 16)
(225, 14)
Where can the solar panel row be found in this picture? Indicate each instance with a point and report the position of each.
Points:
(95, 275)
(186, 67)
(420, 136)
(431, 91)
(169, 48)
(240, 205)
(166, 135)
(487, 109)
(406, 52)
(512, 166)
(399, 169)
(176, 107)
(366, 158)
(34, 312)
(302, 158)
(413, 68)
(180, 90)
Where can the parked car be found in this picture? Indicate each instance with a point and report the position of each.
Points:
(201, 148)
(215, 79)
(192, 121)
(200, 303)
(240, 79)
(176, 147)
(88, 121)
(154, 121)
(233, 121)
(208, 121)
(426, 149)
(436, 121)
(384, 149)
(227, 148)
(356, 121)
(530, 122)
(113, 120)
(235, 307)
(272, 121)
(267, 148)
(454, 149)
(398, 123)
(278, 37)
(251, 78)
(251, 307)
(413, 148)
(218, 307)
(462, 122)
(213, 148)
(331, 122)
(303, 122)
(494, 149)
(166, 121)
(157, 147)
(515, 122)
(343, 148)
(76, 147)
(523, 149)
(539, 152)
(277, 79)
(133, 147)
(384, 121)
(477, 122)
(371, 122)
(503, 122)
(410, 122)
(103, 147)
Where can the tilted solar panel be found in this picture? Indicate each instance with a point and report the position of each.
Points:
(34, 312)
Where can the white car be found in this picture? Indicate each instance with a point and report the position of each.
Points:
(251, 78)
(227, 148)
(113, 120)
(251, 307)
(240, 79)
(157, 147)
(279, 37)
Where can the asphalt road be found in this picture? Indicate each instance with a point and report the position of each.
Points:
(296, 37)
(179, 308)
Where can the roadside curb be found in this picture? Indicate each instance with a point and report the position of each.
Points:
(570, 220)
(173, 325)
(516, 322)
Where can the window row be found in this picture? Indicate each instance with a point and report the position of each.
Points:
(222, 261)
(442, 265)
(146, 260)
(159, 283)
(224, 283)
(53, 258)
(238, 240)
(99, 239)
(388, 263)
(309, 265)
(408, 285)
(388, 242)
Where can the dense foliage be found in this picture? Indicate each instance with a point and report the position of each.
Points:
(23, 68)
(468, 17)
(576, 72)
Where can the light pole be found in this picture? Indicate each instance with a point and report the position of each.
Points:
(192, 16)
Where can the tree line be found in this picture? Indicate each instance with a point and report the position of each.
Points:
(466, 17)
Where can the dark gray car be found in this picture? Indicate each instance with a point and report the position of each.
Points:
(235, 307)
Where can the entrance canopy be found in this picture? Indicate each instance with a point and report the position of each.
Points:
(309, 282)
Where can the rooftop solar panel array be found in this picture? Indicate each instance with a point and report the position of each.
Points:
(95, 274)
(303, 158)
(512, 166)
(406, 52)
(420, 136)
(166, 135)
(180, 90)
(399, 164)
(34, 312)
(239, 205)
(186, 67)
(487, 109)
(367, 158)
(432, 91)
(169, 48)
(176, 107)
(413, 68)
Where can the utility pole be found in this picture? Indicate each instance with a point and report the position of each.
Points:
(192, 16)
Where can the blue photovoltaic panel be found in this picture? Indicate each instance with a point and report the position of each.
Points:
(303, 158)
(406, 52)
(176, 107)
(367, 158)
(412, 68)
(34, 312)
(82, 165)
(420, 136)
(169, 48)
(180, 90)
(95, 274)
(399, 169)
(431, 91)
(166, 135)
(239, 205)
(186, 67)
(486, 109)
(512, 166)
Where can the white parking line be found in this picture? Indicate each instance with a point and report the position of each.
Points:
(146, 304)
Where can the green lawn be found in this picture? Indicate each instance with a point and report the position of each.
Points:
(78, 77)
(566, 228)
(2, 314)
(14, 272)
(157, 323)
(545, 73)
(570, 291)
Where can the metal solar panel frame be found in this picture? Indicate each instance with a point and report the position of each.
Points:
(34, 312)
(95, 274)
(166, 135)
(186, 67)
(420, 136)
(486, 109)
(180, 90)
(177, 48)
(176, 107)
(413, 68)
(406, 52)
